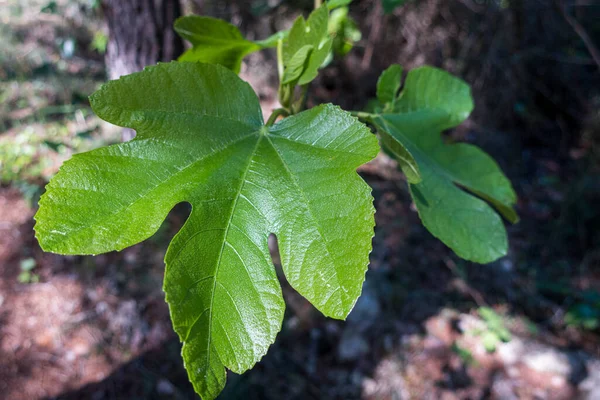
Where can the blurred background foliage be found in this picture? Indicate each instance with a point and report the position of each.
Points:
(51, 60)
(428, 325)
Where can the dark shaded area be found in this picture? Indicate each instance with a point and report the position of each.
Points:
(140, 379)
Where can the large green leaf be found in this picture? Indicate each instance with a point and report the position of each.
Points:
(452, 175)
(201, 139)
(218, 42)
(312, 32)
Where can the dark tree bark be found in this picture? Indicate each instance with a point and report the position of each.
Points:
(140, 34)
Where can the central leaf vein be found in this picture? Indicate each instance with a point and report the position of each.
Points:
(225, 235)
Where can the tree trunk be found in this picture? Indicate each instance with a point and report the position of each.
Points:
(140, 34)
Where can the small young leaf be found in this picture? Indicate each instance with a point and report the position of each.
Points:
(344, 30)
(490, 340)
(218, 42)
(388, 84)
(201, 139)
(432, 101)
(297, 65)
(317, 58)
(312, 32)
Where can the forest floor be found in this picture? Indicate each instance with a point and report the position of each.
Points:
(98, 327)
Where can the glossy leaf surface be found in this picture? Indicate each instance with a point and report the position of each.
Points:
(201, 139)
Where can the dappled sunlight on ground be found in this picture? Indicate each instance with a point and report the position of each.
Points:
(70, 328)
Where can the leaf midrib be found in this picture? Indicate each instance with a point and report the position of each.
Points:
(229, 224)
(225, 233)
(204, 39)
(413, 148)
(444, 172)
(428, 159)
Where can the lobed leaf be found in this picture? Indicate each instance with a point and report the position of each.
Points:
(453, 176)
(201, 139)
(218, 42)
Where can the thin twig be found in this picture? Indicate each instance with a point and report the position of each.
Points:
(374, 35)
(362, 115)
(471, 291)
(579, 30)
(280, 59)
(300, 104)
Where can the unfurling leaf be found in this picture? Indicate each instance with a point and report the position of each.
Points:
(201, 139)
(452, 176)
(312, 32)
(344, 30)
(218, 42)
(296, 65)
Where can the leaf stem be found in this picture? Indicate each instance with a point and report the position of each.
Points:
(276, 114)
(300, 104)
(362, 115)
(280, 60)
(318, 3)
